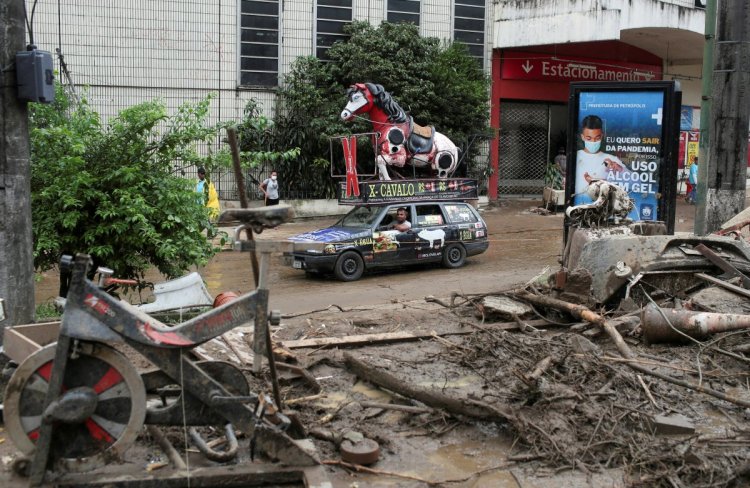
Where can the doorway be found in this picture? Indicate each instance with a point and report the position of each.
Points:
(530, 134)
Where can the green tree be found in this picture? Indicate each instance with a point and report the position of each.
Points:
(439, 84)
(110, 190)
(256, 139)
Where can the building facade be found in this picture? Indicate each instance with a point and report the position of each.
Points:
(179, 50)
(541, 46)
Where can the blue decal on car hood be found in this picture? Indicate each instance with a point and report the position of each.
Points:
(330, 234)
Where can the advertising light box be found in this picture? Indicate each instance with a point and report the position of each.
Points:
(627, 134)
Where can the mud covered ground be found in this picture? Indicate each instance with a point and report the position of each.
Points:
(586, 421)
(553, 405)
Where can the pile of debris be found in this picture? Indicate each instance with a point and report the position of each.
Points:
(612, 362)
(576, 401)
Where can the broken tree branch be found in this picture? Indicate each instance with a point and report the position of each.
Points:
(648, 392)
(167, 447)
(579, 311)
(305, 374)
(362, 469)
(333, 305)
(365, 339)
(395, 406)
(469, 408)
(583, 313)
(539, 370)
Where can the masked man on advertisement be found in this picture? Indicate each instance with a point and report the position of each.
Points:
(591, 162)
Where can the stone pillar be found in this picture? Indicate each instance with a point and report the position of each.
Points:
(16, 251)
(721, 190)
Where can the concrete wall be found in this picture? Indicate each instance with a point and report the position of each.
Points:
(179, 50)
(538, 22)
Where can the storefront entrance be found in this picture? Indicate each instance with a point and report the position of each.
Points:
(530, 134)
(530, 93)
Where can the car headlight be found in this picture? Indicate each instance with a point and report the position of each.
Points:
(329, 249)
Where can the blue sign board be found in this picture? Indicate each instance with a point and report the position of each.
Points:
(620, 140)
(686, 117)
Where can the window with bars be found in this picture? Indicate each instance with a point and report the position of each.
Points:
(259, 42)
(331, 17)
(403, 11)
(468, 26)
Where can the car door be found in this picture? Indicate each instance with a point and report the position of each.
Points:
(407, 241)
(462, 222)
(385, 243)
(429, 231)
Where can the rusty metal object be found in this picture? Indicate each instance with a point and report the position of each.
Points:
(365, 451)
(733, 230)
(723, 284)
(171, 412)
(560, 278)
(92, 314)
(673, 325)
(212, 454)
(723, 264)
(597, 252)
(108, 416)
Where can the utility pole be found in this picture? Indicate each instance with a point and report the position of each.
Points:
(722, 183)
(709, 33)
(16, 244)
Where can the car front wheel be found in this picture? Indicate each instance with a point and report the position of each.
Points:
(454, 256)
(349, 266)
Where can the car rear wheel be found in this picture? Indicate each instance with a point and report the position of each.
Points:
(349, 266)
(454, 256)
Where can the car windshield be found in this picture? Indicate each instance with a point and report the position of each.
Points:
(360, 217)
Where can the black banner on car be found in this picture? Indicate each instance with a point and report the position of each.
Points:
(411, 191)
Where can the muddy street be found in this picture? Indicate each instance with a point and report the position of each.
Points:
(521, 245)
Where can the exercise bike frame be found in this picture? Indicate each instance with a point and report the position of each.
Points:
(92, 315)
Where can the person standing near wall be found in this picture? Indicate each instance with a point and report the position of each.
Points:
(208, 195)
(693, 181)
(561, 163)
(270, 188)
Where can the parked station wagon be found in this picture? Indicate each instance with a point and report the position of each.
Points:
(365, 238)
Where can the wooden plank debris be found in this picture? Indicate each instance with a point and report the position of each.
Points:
(390, 337)
(716, 281)
(21, 341)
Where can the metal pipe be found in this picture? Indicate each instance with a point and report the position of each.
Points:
(167, 447)
(212, 454)
(669, 324)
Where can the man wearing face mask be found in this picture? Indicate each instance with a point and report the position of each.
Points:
(270, 188)
(591, 162)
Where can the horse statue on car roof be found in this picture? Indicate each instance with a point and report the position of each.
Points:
(399, 139)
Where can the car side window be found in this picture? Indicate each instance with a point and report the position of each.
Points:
(429, 215)
(459, 213)
(388, 219)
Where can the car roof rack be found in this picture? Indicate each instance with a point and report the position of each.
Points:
(377, 192)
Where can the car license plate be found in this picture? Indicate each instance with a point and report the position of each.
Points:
(297, 264)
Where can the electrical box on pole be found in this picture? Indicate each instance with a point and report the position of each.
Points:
(35, 76)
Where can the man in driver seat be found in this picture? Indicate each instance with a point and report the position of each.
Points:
(401, 224)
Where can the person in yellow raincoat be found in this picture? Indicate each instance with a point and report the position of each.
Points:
(208, 197)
